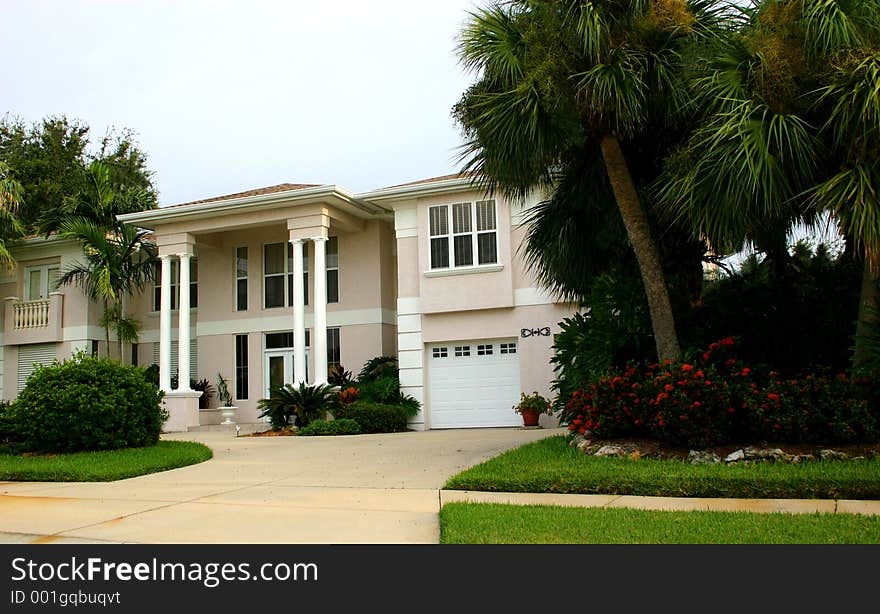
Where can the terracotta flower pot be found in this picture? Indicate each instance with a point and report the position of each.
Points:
(530, 417)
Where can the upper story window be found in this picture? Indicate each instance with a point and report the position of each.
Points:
(175, 285)
(333, 270)
(39, 281)
(463, 234)
(278, 275)
(241, 279)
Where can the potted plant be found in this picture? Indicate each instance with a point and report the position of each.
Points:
(531, 406)
(227, 409)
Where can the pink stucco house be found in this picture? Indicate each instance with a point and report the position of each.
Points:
(276, 285)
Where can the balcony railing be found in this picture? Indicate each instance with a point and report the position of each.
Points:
(32, 314)
(36, 321)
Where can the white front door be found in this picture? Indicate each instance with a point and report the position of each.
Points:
(279, 368)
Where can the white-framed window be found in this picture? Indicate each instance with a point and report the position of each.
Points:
(485, 350)
(508, 348)
(463, 350)
(278, 275)
(39, 281)
(334, 348)
(333, 270)
(463, 234)
(241, 279)
(175, 285)
(440, 352)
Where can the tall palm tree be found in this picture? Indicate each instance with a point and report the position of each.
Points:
(790, 130)
(564, 84)
(11, 194)
(119, 259)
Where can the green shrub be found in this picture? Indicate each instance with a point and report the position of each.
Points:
(6, 423)
(307, 403)
(386, 391)
(87, 403)
(343, 426)
(375, 417)
(378, 368)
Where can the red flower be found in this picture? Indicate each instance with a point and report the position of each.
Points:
(730, 410)
(687, 367)
(668, 388)
(699, 374)
(715, 346)
(727, 341)
(746, 371)
(730, 362)
(697, 404)
(773, 397)
(706, 356)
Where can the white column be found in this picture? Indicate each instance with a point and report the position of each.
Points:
(319, 332)
(299, 316)
(165, 326)
(183, 324)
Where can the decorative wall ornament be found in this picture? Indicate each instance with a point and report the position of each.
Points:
(535, 332)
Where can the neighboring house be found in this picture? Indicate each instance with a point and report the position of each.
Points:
(285, 282)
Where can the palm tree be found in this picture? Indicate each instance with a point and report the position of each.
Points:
(11, 194)
(790, 130)
(571, 84)
(119, 259)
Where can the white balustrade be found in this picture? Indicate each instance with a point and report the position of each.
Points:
(32, 314)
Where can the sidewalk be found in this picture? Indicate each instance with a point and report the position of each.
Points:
(679, 504)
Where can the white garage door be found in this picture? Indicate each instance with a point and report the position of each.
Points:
(474, 384)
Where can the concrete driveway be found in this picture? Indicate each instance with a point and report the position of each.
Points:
(363, 489)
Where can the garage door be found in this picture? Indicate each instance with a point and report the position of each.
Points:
(473, 384)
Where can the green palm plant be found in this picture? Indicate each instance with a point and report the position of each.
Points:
(790, 130)
(11, 195)
(306, 403)
(566, 87)
(119, 259)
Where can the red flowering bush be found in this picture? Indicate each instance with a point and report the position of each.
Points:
(713, 398)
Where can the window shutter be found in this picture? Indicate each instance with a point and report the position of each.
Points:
(31, 355)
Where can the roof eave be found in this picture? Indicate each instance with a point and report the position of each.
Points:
(459, 184)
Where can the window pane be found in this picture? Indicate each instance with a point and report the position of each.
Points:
(157, 298)
(34, 284)
(333, 349)
(438, 219)
(241, 367)
(274, 258)
(486, 215)
(279, 341)
(275, 291)
(461, 218)
(193, 296)
(193, 270)
(333, 286)
(241, 262)
(241, 301)
(333, 253)
(439, 253)
(464, 250)
(488, 251)
(54, 274)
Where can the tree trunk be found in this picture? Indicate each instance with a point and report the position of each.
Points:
(636, 221)
(107, 328)
(118, 336)
(869, 304)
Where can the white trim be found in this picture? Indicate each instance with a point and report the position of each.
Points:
(409, 324)
(525, 297)
(410, 359)
(445, 186)
(474, 234)
(335, 319)
(409, 306)
(410, 341)
(406, 221)
(412, 378)
(465, 270)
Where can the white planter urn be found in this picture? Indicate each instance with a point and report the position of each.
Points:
(228, 413)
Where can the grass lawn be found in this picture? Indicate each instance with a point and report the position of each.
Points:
(483, 523)
(550, 465)
(102, 466)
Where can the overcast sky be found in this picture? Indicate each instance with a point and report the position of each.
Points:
(229, 96)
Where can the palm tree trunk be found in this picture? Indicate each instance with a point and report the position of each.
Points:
(118, 335)
(869, 303)
(635, 219)
(107, 328)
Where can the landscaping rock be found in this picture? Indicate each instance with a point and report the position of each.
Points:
(755, 453)
(735, 457)
(583, 445)
(576, 440)
(832, 455)
(702, 457)
(610, 451)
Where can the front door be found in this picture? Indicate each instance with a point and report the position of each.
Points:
(279, 368)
